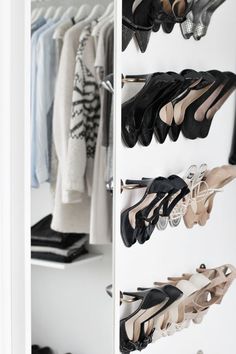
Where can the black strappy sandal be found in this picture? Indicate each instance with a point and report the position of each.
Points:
(157, 187)
(179, 189)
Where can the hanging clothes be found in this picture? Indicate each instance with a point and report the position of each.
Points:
(71, 210)
(34, 76)
(71, 116)
(101, 204)
(45, 88)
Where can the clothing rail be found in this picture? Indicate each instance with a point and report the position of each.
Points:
(64, 3)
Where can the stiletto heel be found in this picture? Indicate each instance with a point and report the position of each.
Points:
(128, 29)
(224, 94)
(132, 219)
(152, 302)
(191, 126)
(205, 18)
(133, 110)
(181, 190)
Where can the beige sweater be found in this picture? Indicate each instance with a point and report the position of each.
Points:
(72, 209)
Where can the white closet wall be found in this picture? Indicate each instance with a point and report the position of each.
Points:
(71, 311)
(174, 251)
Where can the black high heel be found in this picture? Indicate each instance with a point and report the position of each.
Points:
(191, 81)
(155, 190)
(228, 89)
(173, 294)
(177, 15)
(146, 218)
(162, 127)
(138, 23)
(133, 109)
(191, 126)
(144, 23)
(128, 27)
(182, 190)
(152, 299)
(167, 82)
(164, 209)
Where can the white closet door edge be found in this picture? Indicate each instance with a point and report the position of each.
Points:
(116, 174)
(5, 226)
(20, 177)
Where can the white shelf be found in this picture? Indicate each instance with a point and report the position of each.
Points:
(87, 258)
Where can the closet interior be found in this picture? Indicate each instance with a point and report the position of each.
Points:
(72, 45)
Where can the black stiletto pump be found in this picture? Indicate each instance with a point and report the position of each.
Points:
(191, 126)
(138, 23)
(147, 129)
(133, 110)
(128, 28)
(161, 127)
(191, 78)
(228, 89)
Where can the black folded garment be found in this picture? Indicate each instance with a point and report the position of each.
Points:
(232, 157)
(36, 350)
(43, 235)
(59, 258)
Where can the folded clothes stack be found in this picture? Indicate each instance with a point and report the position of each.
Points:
(37, 350)
(50, 245)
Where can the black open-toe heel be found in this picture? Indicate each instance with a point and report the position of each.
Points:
(146, 218)
(182, 190)
(162, 212)
(191, 126)
(132, 219)
(149, 217)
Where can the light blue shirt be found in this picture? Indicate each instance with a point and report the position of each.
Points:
(34, 69)
(45, 91)
(37, 24)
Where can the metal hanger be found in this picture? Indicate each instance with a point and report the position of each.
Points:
(83, 12)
